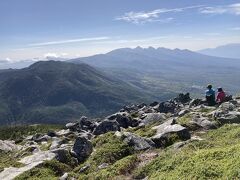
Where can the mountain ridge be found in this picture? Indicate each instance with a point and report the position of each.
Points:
(227, 51)
(47, 90)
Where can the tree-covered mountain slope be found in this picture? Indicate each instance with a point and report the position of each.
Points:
(57, 92)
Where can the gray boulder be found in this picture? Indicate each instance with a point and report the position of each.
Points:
(183, 112)
(196, 102)
(231, 117)
(169, 132)
(64, 176)
(64, 156)
(139, 143)
(124, 121)
(38, 138)
(72, 126)
(106, 126)
(82, 148)
(56, 142)
(86, 124)
(183, 98)
(8, 146)
(154, 117)
(167, 107)
(204, 123)
(227, 106)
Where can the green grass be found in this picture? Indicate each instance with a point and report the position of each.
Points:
(108, 149)
(7, 160)
(145, 131)
(120, 168)
(206, 110)
(216, 157)
(18, 132)
(48, 170)
(184, 120)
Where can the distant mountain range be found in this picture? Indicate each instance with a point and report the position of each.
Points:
(165, 71)
(57, 92)
(228, 51)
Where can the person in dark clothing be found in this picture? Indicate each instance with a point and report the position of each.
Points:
(210, 95)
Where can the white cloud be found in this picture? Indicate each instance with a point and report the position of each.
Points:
(8, 59)
(127, 41)
(227, 9)
(69, 41)
(151, 16)
(51, 55)
(55, 56)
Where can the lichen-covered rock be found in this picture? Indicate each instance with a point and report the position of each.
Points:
(169, 132)
(106, 126)
(183, 112)
(167, 107)
(204, 123)
(8, 146)
(154, 117)
(82, 148)
(63, 155)
(195, 102)
(139, 143)
(183, 98)
(72, 126)
(227, 106)
(231, 117)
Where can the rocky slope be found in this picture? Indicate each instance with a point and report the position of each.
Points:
(178, 139)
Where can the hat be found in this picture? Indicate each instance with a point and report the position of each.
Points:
(209, 86)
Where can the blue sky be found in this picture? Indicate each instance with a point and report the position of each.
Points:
(71, 28)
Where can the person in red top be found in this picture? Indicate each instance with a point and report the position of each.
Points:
(220, 96)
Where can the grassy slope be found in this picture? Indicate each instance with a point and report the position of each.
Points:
(18, 132)
(217, 156)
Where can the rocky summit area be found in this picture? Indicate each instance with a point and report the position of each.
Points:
(177, 139)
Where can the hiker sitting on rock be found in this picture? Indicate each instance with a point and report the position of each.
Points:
(210, 96)
(220, 96)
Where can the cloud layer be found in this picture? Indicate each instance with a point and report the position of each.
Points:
(69, 41)
(151, 16)
(227, 9)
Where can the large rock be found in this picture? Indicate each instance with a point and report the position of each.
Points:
(29, 162)
(106, 126)
(8, 146)
(139, 143)
(154, 117)
(63, 155)
(86, 124)
(167, 107)
(43, 138)
(196, 102)
(183, 112)
(227, 106)
(169, 132)
(72, 126)
(231, 117)
(124, 121)
(183, 98)
(82, 148)
(56, 143)
(204, 123)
